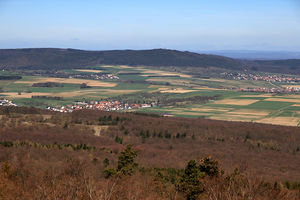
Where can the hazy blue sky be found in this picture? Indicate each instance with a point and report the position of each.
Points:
(141, 24)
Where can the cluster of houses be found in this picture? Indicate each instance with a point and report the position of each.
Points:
(101, 105)
(6, 102)
(272, 90)
(257, 77)
(96, 76)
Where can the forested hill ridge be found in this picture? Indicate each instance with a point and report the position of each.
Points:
(52, 58)
(70, 58)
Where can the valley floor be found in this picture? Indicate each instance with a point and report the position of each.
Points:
(174, 93)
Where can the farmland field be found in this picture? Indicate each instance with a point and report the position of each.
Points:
(144, 84)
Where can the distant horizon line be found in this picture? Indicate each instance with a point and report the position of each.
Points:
(141, 49)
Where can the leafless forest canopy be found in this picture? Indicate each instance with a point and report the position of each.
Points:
(47, 155)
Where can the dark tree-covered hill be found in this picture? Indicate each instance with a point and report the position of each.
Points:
(51, 58)
(71, 58)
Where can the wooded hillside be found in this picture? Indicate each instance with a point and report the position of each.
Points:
(79, 156)
(47, 59)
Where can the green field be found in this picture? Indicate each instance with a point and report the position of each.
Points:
(143, 84)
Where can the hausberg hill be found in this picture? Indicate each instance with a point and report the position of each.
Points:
(54, 58)
(48, 58)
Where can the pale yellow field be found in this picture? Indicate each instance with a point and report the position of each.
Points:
(283, 100)
(288, 121)
(228, 117)
(250, 112)
(24, 95)
(192, 113)
(207, 88)
(249, 117)
(125, 67)
(70, 94)
(164, 88)
(291, 86)
(213, 79)
(210, 109)
(177, 90)
(29, 95)
(260, 95)
(71, 81)
(148, 71)
(185, 76)
(238, 117)
(100, 129)
(88, 70)
(239, 102)
(94, 92)
(296, 105)
(163, 73)
(245, 115)
(174, 110)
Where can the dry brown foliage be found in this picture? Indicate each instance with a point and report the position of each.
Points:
(37, 164)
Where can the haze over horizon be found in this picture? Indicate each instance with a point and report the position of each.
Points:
(196, 25)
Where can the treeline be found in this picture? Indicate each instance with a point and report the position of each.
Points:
(10, 77)
(163, 101)
(84, 85)
(129, 73)
(48, 84)
(109, 120)
(14, 110)
(74, 147)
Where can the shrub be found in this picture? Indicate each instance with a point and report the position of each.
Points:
(190, 183)
(119, 140)
(106, 162)
(126, 162)
(109, 172)
(209, 166)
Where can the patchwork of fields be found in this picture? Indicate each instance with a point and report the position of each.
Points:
(280, 110)
(135, 81)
